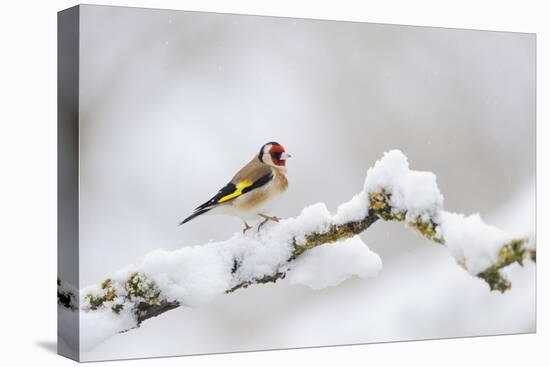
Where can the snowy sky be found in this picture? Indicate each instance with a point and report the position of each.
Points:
(173, 103)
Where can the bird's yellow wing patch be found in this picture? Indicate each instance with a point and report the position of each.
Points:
(238, 191)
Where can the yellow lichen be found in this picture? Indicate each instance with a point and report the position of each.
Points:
(511, 252)
(110, 295)
(426, 229)
(377, 201)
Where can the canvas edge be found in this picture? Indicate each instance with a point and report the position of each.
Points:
(68, 24)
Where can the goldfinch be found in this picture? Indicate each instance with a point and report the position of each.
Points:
(252, 188)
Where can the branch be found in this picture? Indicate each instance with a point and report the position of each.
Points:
(194, 275)
(66, 296)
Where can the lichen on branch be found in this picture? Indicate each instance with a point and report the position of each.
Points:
(66, 295)
(514, 251)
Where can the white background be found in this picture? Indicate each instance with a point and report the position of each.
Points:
(28, 151)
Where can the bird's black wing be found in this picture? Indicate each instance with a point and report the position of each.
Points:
(225, 192)
(234, 190)
(229, 192)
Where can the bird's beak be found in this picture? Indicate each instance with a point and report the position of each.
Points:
(285, 156)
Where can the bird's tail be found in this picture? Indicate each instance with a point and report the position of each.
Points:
(195, 214)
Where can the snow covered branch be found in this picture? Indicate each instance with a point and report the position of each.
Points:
(298, 248)
(66, 296)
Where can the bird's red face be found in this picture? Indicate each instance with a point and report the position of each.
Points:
(278, 155)
(274, 154)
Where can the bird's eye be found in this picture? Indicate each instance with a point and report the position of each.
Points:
(277, 155)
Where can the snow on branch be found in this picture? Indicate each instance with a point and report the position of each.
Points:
(297, 248)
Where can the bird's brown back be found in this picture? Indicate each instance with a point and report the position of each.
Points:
(252, 171)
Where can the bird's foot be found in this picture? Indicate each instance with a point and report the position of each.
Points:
(246, 227)
(267, 218)
(262, 224)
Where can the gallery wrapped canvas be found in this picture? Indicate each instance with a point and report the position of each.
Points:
(236, 183)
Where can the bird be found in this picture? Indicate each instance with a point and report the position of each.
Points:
(253, 187)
